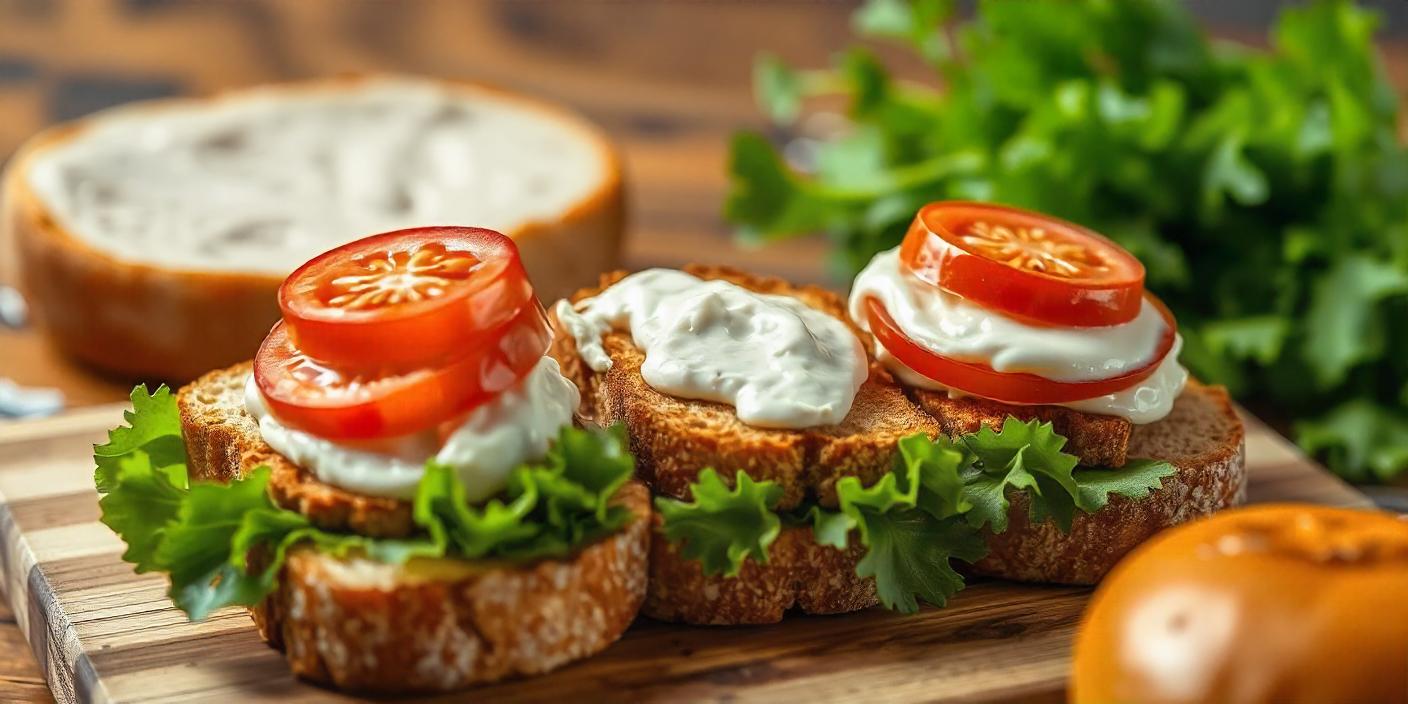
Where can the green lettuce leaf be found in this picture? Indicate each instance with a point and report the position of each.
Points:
(721, 527)
(1026, 456)
(141, 511)
(1135, 480)
(910, 522)
(223, 544)
(153, 428)
(910, 554)
(1368, 441)
(914, 521)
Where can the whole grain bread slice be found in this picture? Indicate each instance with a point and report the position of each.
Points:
(223, 442)
(1202, 437)
(800, 574)
(428, 625)
(673, 439)
(439, 625)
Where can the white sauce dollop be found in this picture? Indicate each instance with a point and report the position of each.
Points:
(953, 327)
(266, 179)
(1148, 401)
(778, 361)
(515, 427)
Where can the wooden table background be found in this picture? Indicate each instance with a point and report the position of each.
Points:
(669, 80)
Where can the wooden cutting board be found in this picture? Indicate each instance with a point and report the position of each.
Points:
(102, 633)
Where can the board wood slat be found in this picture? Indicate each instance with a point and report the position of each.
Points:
(102, 633)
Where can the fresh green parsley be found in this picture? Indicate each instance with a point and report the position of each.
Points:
(1266, 191)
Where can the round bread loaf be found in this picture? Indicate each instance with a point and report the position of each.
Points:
(151, 239)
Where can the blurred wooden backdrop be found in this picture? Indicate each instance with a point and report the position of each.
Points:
(669, 79)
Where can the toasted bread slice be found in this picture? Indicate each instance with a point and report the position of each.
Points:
(223, 442)
(438, 625)
(1098, 440)
(428, 625)
(1202, 437)
(674, 439)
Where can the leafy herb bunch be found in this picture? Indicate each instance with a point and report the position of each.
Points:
(1265, 191)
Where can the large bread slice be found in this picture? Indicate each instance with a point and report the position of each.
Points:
(430, 625)
(96, 301)
(1202, 437)
(674, 439)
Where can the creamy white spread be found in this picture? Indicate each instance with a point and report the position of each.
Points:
(778, 361)
(266, 179)
(515, 427)
(950, 326)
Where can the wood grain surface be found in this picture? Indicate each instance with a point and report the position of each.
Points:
(102, 633)
(669, 80)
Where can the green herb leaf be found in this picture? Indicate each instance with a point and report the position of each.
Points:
(1257, 337)
(778, 89)
(1266, 191)
(143, 500)
(722, 527)
(196, 547)
(1366, 440)
(1342, 324)
(909, 553)
(154, 428)
(831, 528)
(911, 524)
(1135, 480)
(1023, 455)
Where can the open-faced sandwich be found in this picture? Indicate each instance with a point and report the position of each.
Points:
(999, 319)
(394, 485)
(793, 471)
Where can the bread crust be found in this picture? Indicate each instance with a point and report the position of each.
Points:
(441, 625)
(1211, 476)
(1098, 440)
(223, 443)
(674, 439)
(96, 307)
(799, 574)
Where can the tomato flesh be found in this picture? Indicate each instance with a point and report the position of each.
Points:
(1024, 264)
(1007, 387)
(331, 402)
(405, 298)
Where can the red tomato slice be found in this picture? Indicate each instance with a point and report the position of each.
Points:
(1024, 264)
(1007, 387)
(305, 393)
(404, 299)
